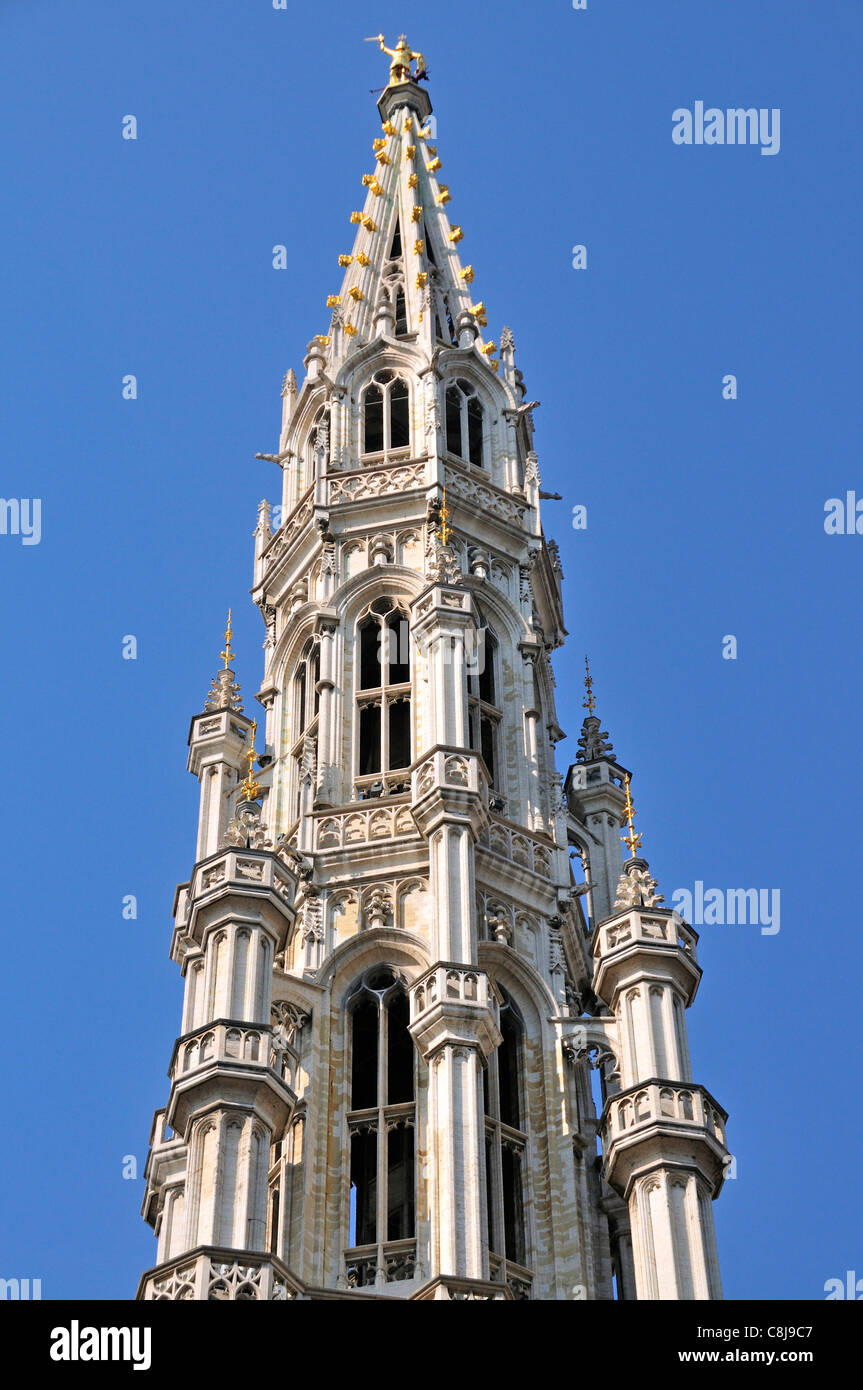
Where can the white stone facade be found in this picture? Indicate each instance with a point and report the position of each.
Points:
(393, 995)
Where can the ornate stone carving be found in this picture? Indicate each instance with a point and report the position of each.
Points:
(224, 693)
(635, 887)
(593, 742)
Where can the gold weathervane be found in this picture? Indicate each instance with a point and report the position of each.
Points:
(250, 789)
(227, 655)
(589, 704)
(402, 56)
(632, 841)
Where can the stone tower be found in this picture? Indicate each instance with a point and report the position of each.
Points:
(395, 989)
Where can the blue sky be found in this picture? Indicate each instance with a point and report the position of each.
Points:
(705, 516)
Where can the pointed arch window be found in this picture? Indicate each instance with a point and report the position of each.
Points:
(401, 313)
(505, 1147)
(383, 698)
(381, 1122)
(464, 423)
(386, 415)
(308, 462)
(306, 704)
(484, 711)
(396, 247)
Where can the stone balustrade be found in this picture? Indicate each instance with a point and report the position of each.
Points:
(224, 1040)
(234, 1276)
(659, 1102)
(448, 982)
(655, 929)
(241, 868)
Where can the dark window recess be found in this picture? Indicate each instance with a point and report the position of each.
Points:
(301, 698)
(364, 1056)
(396, 248)
(316, 676)
(400, 432)
(400, 734)
(274, 1221)
(438, 331)
(429, 247)
(398, 649)
(373, 415)
(364, 1184)
(487, 749)
(474, 431)
(485, 661)
(401, 315)
(370, 739)
(453, 421)
(400, 1052)
(507, 1056)
(370, 655)
(513, 1213)
(400, 1183)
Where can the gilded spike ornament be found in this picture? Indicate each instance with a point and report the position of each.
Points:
(590, 703)
(250, 790)
(227, 655)
(632, 840)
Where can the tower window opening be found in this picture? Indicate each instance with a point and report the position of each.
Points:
(306, 707)
(464, 423)
(396, 247)
(386, 415)
(484, 714)
(506, 1147)
(401, 314)
(383, 696)
(381, 1119)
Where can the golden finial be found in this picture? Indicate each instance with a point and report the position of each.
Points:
(227, 655)
(445, 528)
(589, 704)
(250, 790)
(632, 841)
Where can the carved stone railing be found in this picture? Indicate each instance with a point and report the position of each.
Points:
(235, 1276)
(485, 496)
(288, 531)
(518, 1280)
(224, 1040)
(370, 1266)
(372, 824)
(662, 1102)
(664, 930)
(447, 768)
(518, 846)
(241, 868)
(381, 481)
(449, 982)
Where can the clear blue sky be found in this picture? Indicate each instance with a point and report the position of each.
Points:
(705, 517)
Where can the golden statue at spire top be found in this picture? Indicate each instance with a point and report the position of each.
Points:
(402, 56)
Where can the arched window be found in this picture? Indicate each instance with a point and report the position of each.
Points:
(309, 460)
(383, 697)
(386, 415)
(464, 422)
(381, 1122)
(484, 710)
(306, 703)
(506, 1143)
(401, 313)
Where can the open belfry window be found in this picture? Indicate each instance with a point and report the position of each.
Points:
(464, 423)
(386, 415)
(381, 1122)
(484, 709)
(306, 703)
(383, 697)
(505, 1150)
